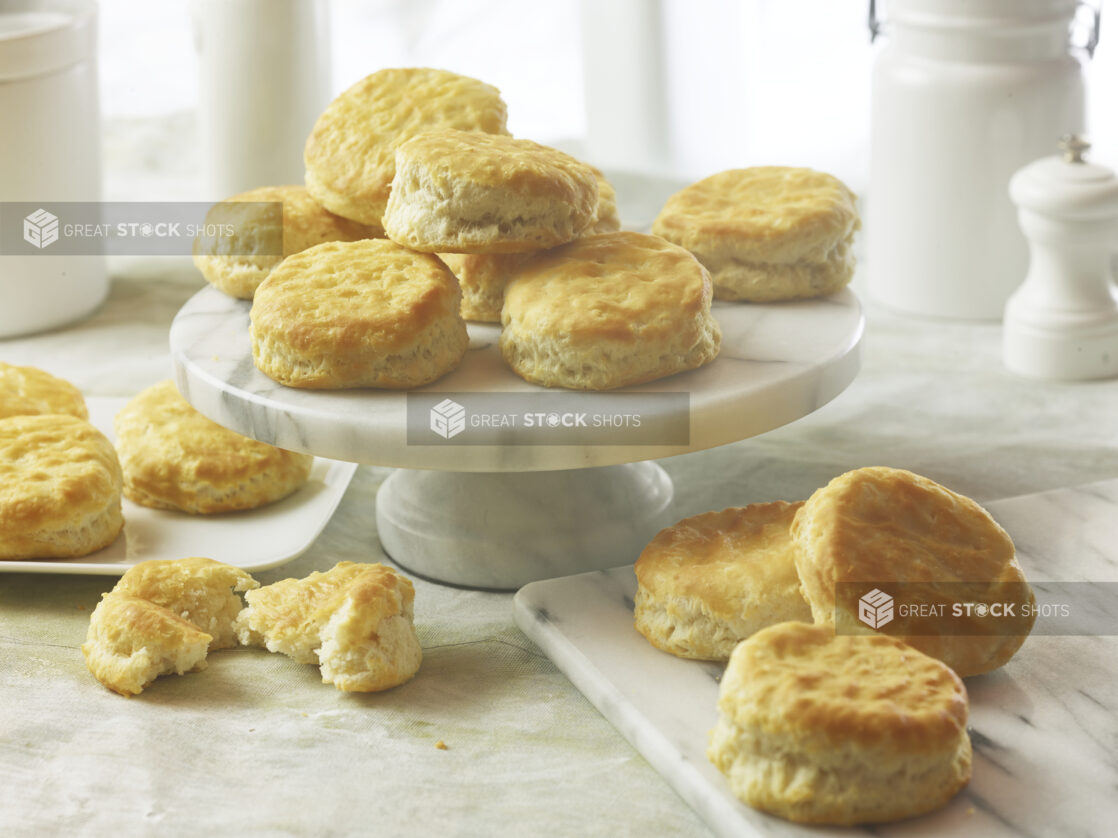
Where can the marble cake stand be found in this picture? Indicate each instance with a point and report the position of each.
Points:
(501, 515)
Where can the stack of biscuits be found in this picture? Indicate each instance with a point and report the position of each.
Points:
(420, 211)
(823, 718)
(60, 480)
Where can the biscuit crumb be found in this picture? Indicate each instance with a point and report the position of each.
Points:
(441, 745)
(970, 810)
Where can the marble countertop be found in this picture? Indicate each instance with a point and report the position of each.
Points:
(526, 752)
(255, 745)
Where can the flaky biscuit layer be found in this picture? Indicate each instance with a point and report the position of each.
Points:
(173, 457)
(60, 488)
(608, 311)
(469, 192)
(237, 264)
(878, 525)
(846, 729)
(766, 233)
(350, 155)
(711, 580)
(358, 314)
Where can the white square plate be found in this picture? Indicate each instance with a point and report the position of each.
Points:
(256, 539)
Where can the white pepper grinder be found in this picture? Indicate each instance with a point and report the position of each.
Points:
(1062, 323)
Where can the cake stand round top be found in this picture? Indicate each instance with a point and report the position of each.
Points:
(778, 362)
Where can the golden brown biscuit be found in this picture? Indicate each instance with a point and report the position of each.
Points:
(608, 311)
(874, 526)
(839, 730)
(132, 641)
(351, 153)
(362, 314)
(263, 238)
(29, 391)
(60, 486)
(766, 233)
(711, 580)
(175, 458)
(467, 192)
(354, 620)
(606, 218)
(483, 277)
(196, 589)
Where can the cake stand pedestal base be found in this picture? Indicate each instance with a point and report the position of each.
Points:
(502, 530)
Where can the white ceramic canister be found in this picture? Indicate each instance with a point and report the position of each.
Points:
(965, 92)
(264, 79)
(50, 150)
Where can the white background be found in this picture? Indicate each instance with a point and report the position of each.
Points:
(742, 82)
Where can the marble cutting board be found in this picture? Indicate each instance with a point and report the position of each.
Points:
(1044, 727)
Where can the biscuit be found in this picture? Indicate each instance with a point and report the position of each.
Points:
(29, 391)
(483, 277)
(350, 155)
(60, 486)
(711, 580)
(606, 217)
(175, 458)
(362, 314)
(768, 233)
(354, 621)
(132, 641)
(467, 192)
(202, 591)
(608, 311)
(875, 526)
(826, 729)
(263, 237)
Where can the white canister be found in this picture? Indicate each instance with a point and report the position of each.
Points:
(50, 150)
(264, 79)
(965, 92)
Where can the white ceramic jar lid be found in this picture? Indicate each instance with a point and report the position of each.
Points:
(37, 38)
(983, 12)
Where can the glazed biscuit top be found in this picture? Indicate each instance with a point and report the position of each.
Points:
(766, 214)
(341, 296)
(352, 149)
(454, 159)
(881, 524)
(53, 468)
(621, 287)
(27, 391)
(718, 556)
(842, 689)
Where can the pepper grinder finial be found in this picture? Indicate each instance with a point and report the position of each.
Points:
(1074, 147)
